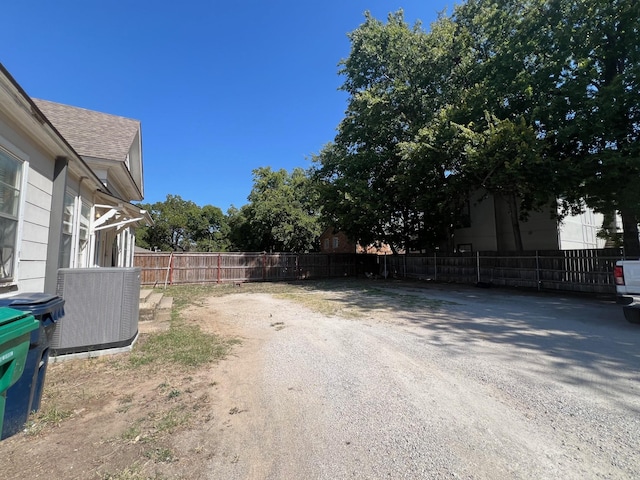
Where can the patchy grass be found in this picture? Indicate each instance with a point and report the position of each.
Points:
(131, 473)
(186, 295)
(172, 419)
(47, 417)
(133, 433)
(160, 455)
(347, 297)
(155, 417)
(183, 345)
(325, 303)
(355, 298)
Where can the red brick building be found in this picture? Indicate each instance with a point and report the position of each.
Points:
(332, 241)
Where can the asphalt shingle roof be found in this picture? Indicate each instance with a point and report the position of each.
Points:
(90, 133)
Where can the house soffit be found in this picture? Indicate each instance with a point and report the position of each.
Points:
(117, 174)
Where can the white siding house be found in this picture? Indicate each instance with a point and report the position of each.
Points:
(55, 211)
(105, 224)
(34, 158)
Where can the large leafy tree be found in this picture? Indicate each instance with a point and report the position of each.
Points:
(505, 161)
(241, 235)
(281, 216)
(529, 100)
(594, 119)
(570, 69)
(498, 103)
(181, 225)
(210, 230)
(376, 184)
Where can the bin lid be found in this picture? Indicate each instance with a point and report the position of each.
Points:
(36, 303)
(15, 323)
(9, 315)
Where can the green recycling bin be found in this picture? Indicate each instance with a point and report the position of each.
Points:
(15, 332)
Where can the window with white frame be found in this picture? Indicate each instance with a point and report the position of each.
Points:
(10, 183)
(67, 230)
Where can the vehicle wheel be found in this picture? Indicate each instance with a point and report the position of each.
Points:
(632, 314)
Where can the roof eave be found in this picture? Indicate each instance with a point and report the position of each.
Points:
(27, 114)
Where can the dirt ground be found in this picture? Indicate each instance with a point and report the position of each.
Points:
(101, 419)
(370, 383)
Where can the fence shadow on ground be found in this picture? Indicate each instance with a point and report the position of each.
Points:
(584, 340)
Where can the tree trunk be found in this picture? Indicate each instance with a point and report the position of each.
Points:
(512, 203)
(630, 240)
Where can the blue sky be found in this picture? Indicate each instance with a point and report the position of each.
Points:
(221, 88)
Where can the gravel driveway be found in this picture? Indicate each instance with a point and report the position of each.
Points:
(436, 382)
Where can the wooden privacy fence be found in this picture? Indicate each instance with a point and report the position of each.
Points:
(191, 268)
(569, 270)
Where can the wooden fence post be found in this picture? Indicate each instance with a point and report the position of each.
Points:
(218, 281)
(264, 266)
(435, 267)
(169, 276)
(538, 270)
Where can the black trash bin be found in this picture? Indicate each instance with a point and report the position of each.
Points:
(25, 395)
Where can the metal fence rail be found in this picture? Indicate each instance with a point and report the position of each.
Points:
(569, 270)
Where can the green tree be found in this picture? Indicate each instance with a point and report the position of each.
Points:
(241, 236)
(282, 214)
(210, 230)
(497, 106)
(530, 100)
(377, 184)
(571, 69)
(505, 161)
(595, 117)
(181, 225)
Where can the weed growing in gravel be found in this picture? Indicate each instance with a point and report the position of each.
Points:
(350, 297)
(403, 299)
(322, 302)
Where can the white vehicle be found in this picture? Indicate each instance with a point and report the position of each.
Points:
(627, 277)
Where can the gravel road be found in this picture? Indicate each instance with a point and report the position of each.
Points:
(489, 385)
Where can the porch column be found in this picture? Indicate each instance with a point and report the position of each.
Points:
(132, 248)
(119, 249)
(60, 170)
(92, 238)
